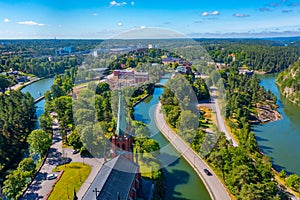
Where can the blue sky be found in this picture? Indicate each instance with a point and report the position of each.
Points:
(106, 18)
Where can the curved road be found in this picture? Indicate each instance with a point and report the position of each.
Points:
(220, 120)
(215, 188)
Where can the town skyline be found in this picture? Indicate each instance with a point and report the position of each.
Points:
(104, 19)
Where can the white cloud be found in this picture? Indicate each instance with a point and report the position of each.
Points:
(31, 23)
(132, 3)
(95, 14)
(210, 13)
(142, 27)
(114, 3)
(120, 24)
(240, 15)
(6, 20)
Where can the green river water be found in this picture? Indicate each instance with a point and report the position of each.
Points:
(280, 140)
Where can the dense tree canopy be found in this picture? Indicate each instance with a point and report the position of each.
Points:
(289, 82)
(39, 142)
(16, 122)
(261, 57)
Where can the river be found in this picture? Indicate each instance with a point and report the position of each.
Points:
(280, 140)
(182, 181)
(37, 89)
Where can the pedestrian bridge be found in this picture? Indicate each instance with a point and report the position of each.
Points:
(39, 99)
(159, 85)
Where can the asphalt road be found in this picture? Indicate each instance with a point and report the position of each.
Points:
(220, 119)
(40, 186)
(215, 188)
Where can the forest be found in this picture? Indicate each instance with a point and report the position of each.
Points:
(258, 57)
(40, 67)
(289, 83)
(16, 122)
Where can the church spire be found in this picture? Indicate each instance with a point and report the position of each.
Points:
(121, 121)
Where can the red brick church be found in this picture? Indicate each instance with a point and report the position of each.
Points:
(120, 177)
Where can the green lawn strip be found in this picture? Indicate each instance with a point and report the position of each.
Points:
(73, 177)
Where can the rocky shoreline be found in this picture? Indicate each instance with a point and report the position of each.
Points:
(265, 113)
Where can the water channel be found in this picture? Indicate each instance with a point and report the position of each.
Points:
(280, 140)
(182, 181)
(37, 89)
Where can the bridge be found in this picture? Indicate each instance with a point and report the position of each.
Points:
(165, 77)
(159, 85)
(39, 99)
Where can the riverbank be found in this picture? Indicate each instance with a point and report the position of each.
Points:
(214, 186)
(144, 97)
(35, 79)
(266, 112)
(20, 86)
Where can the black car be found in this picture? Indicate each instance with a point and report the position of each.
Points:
(207, 172)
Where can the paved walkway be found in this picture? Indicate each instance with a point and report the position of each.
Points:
(215, 188)
(41, 186)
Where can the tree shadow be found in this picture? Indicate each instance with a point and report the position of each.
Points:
(32, 191)
(266, 149)
(261, 139)
(56, 140)
(168, 159)
(256, 130)
(278, 168)
(174, 178)
(141, 118)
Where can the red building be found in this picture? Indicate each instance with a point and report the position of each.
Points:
(120, 177)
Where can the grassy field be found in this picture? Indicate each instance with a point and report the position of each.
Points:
(73, 177)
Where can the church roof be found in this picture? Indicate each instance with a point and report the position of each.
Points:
(115, 176)
(121, 123)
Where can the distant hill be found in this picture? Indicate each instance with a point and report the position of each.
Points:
(289, 82)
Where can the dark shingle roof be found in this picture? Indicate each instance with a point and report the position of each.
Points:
(116, 176)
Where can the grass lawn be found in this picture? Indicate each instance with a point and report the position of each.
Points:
(148, 169)
(73, 177)
(209, 116)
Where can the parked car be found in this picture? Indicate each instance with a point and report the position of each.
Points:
(75, 151)
(51, 176)
(207, 172)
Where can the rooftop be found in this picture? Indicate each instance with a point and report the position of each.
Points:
(116, 176)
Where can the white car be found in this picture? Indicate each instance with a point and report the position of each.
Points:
(51, 176)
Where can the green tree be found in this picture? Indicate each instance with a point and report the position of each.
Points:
(39, 142)
(102, 87)
(26, 165)
(14, 184)
(282, 174)
(46, 122)
(75, 140)
(293, 181)
(4, 83)
(146, 145)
